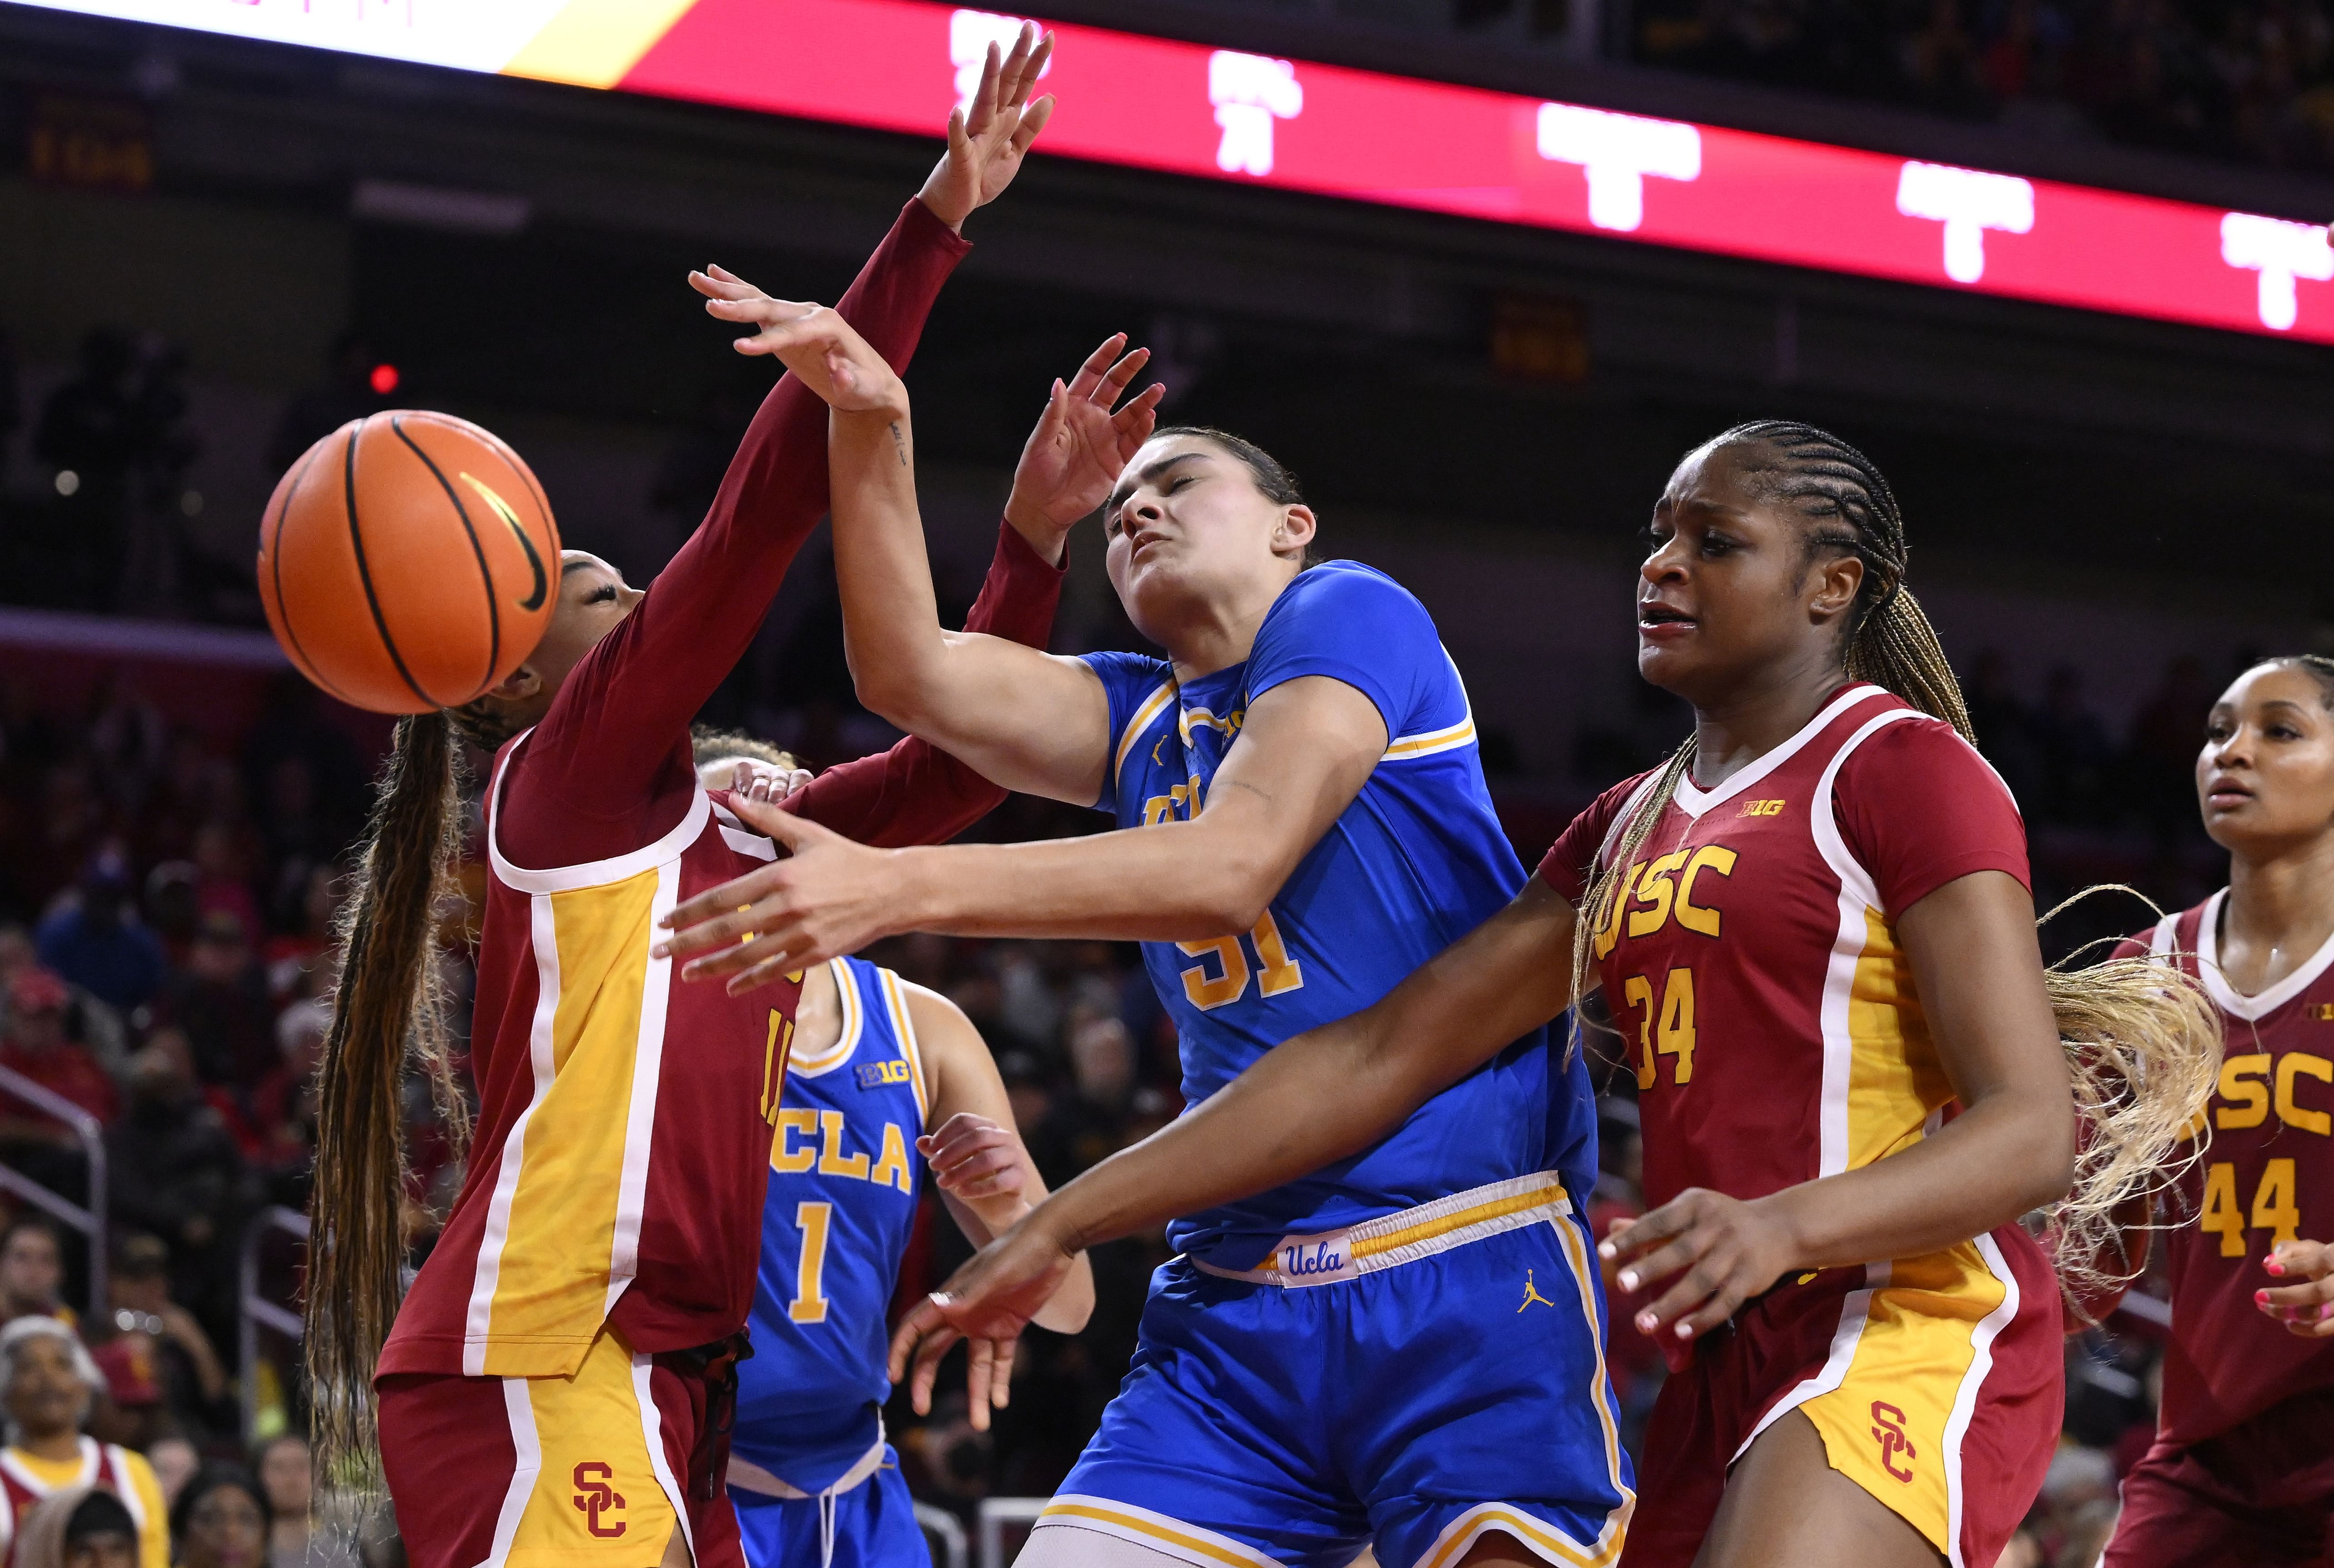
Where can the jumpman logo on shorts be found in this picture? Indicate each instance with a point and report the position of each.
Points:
(1531, 1292)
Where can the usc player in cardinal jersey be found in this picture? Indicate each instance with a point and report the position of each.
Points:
(2241, 1475)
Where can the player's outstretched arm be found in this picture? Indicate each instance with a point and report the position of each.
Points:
(1977, 971)
(1316, 1097)
(1305, 751)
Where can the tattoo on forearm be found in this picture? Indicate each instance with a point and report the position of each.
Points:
(1243, 784)
(899, 442)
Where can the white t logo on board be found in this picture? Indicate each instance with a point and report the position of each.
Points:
(971, 32)
(1968, 202)
(1250, 91)
(2281, 252)
(1617, 152)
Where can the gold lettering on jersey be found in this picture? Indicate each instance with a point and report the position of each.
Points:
(822, 1136)
(1762, 808)
(2323, 1012)
(2251, 1089)
(832, 1160)
(776, 1053)
(1611, 931)
(1717, 861)
(2296, 1065)
(1654, 892)
(2241, 1082)
(1184, 798)
(785, 1158)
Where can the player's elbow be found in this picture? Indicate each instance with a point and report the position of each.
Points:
(1236, 896)
(2045, 1153)
(899, 691)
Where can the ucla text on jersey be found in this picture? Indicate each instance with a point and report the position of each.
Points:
(1417, 861)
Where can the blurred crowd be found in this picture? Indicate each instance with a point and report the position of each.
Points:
(2250, 80)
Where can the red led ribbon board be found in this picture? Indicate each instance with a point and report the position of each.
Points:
(1188, 109)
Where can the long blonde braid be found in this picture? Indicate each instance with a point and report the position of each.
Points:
(2143, 1044)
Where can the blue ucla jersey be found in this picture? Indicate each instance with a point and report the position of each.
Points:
(844, 1175)
(1417, 861)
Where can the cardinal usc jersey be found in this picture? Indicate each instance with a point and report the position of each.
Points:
(1752, 963)
(624, 1118)
(2267, 1176)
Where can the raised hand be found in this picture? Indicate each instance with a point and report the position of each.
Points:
(827, 897)
(1082, 444)
(988, 1301)
(988, 137)
(810, 339)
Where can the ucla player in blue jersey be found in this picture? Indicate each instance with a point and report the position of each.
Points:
(874, 1061)
(1400, 1350)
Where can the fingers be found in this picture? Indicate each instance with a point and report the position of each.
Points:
(1135, 421)
(2299, 1260)
(1114, 382)
(980, 1355)
(1024, 65)
(1628, 1239)
(717, 284)
(1033, 119)
(982, 109)
(1097, 364)
(922, 1319)
(928, 1366)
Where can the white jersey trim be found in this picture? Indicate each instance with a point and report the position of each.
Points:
(1965, 1398)
(591, 874)
(1694, 801)
(640, 1119)
(2227, 997)
(1858, 894)
(846, 1040)
(487, 1275)
(903, 1024)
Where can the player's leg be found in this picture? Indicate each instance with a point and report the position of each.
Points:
(1214, 1451)
(1786, 1507)
(1474, 1413)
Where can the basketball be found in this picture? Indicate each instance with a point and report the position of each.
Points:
(407, 562)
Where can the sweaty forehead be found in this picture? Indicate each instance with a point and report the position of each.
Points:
(1156, 461)
(2286, 685)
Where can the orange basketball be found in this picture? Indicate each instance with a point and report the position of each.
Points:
(407, 562)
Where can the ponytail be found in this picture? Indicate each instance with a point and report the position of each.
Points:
(2142, 1040)
(390, 1007)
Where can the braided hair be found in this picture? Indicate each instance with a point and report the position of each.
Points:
(2142, 1042)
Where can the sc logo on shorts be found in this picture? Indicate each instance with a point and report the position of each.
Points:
(1888, 1429)
(595, 1497)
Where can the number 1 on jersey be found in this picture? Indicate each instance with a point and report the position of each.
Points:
(809, 1305)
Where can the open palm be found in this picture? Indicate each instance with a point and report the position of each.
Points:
(1081, 443)
(988, 137)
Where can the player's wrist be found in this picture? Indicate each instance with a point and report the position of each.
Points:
(1050, 539)
(943, 204)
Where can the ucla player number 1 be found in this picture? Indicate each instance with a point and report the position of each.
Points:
(1276, 972)
(809, 1305)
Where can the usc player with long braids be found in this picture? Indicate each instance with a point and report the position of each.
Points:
(1813, 930)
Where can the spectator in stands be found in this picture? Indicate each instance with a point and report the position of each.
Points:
(176, 1170)
(160, 1365)
(47, 1386)
(286, 1471)
(95, 939)
(37, 1046)
(174, 1463)
(80, 1528)
(220, 999)
(33, 1271)
(221, 1520)
(170, 908)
